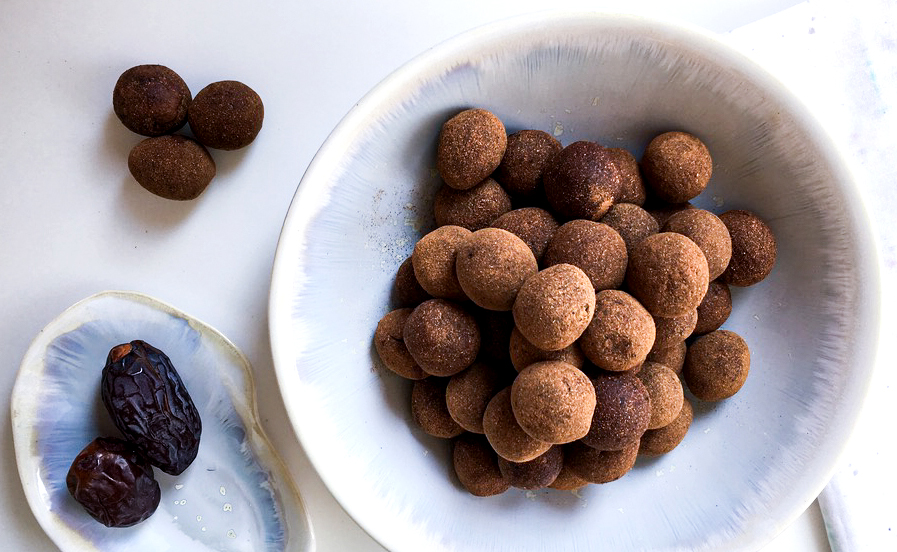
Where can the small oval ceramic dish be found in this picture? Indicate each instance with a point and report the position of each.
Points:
(237, 494)
(749, 465)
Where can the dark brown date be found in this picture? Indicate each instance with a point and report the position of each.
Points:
(114, 483)
(150, 405)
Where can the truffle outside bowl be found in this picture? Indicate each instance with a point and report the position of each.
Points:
(750, 465)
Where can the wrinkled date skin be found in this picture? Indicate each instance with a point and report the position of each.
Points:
(114, 483)
(150, 405)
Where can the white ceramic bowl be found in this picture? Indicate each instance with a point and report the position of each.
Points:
(749, 465)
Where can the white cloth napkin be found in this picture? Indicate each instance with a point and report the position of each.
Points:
(840, 58)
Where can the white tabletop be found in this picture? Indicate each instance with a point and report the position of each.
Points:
(73, 222)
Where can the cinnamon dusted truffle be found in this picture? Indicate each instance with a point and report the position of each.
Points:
(406, 288)
(632, 189)
(472, 208)
(554, 306)
(433, 261)
(429, 410)
(582, 181)
(151, 100)
(226, 115)
(622, 412)
(491, 264)
(442, 337)
(632, 223)
(526, 155)
(676, 166)
(533, 225)
(716, 365)
(668, 274)
(469, 392)
(708, 232)
(674, 329)
(523, 353)
(390, 345)
(476, 466)
(665, 393)
(753, 248)
(621, 333)
(715, 308)
(597, 466)
(672, 357)
(594, 247)
(553, 401)
(471, 145)
(505, 434)
(172, 166)
(534, 474)
(664, 439)
(567, 480)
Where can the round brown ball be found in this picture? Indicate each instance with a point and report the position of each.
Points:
(665, 392)
(472, 208)
(442, 337)
(390, 344)
(674, 329)
(433, 261)
(753, 248)
(673, 357)
(526, 156)
(600, 466)
(632, 223)
(429, 411)
(533, 225)
(523, 353)
(622, 412)
(476, 466)
(226, 115)
(664, 439)
(582, 181)
(668, 274)
(566, 480)
(406, 289)
(535, 474)
(553, 401)
(554, 306)
(676, 166)
(708, 232)
(715, 308)
(172, 166)
(620, 334)
(471, 146)
(491, 264)
(504, 433)
(594, 247)
(151, 100)
(632, 188)
(716, 365)
(469, 391)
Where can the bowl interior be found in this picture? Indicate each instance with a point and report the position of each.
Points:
(749, 465)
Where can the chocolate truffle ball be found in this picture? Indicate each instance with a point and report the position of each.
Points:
(524, 161)
(533, 225)
(537, 473)
(553, 401)
(505, 434)
(469, 392)
(708, 232)
(594, 247)
(582, 181)
(715, 308)
(442, 337)
(676, 166)
(753, 248)
(471, 145)
(390, 345)
(716, 365)
(665, 393)
(491, 264)
(632, 223)
(673, 357)
(662, 440)
(668, 274)
(472, 208)
(173, 167)
(621, 333)
(406, 288)
(226, 115)
(632, 189)
(622, 412)
(672, 330)
(567, 480)
(554, 306)
(597, 466)
(429, 411)
(433, 261)
(523, 353)
(151, 100)
(476, 466)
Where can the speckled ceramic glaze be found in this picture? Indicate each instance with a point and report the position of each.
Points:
(749, 465)
(236, 495)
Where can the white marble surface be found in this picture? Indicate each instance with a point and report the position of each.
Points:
(72, 222)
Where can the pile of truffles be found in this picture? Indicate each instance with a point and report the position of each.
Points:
(154, 101)
(546, 322)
